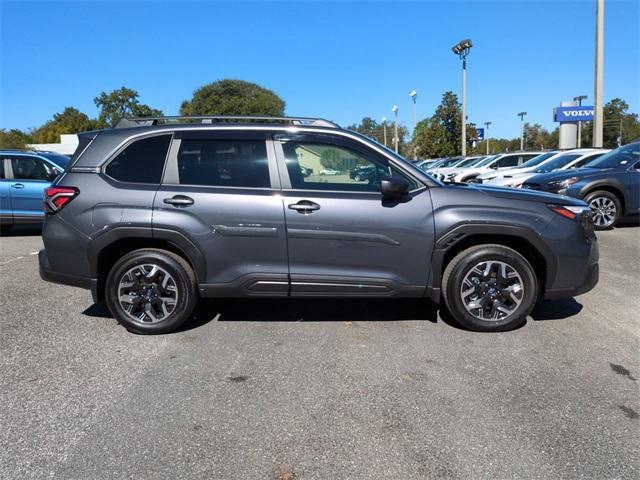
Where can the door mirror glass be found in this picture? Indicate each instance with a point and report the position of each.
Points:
(394, 186)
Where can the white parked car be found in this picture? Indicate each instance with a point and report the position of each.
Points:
(329, 171)
(559, 161)
(442, 173)
(496, 162)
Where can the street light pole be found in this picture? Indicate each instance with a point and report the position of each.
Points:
(462, 50)
(521, 115)
(579, 99)
(384, 129)
(486, 134)
(598, 114)
(413, 94)
(395, 127)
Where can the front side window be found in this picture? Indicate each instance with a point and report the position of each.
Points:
(141, 162)
(224, 163)
(32, 168)
(325, 166)
(509, 161)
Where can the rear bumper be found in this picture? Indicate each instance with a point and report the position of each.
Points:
(50, 275)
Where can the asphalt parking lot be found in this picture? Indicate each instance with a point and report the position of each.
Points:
(319, 389)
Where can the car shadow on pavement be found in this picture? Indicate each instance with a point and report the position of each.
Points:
(335, 310)
(24, 230)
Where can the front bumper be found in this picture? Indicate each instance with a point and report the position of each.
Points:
(590, 281)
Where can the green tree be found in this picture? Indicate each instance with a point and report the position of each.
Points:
(374, 130)
(71, 120)
(617, 120)
(233, 97)
(14, 138)
(121, 103)
(536, 137)
(439, 136)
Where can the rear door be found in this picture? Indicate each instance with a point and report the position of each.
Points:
(343, 237)
(30, 176)
(221, 191)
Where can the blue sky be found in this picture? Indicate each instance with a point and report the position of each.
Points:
(337, 60)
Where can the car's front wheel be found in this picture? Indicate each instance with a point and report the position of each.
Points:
(151, 291)
(489, 288)
(605, 209)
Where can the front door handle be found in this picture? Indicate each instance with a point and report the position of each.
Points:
(17, 185)
(304, 206)
(179, 201)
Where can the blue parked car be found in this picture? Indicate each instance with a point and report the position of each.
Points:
(610, 184)
(23, 177)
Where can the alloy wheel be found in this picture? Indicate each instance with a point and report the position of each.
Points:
(492, 290)
(147, 293)
(604, 211)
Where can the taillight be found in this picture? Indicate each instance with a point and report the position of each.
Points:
(55, 198)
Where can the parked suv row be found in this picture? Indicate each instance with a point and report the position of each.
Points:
(156, 214)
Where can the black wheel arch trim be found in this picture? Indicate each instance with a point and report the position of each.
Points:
(455, 235)
(177, 239)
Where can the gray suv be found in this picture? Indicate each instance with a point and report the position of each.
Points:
(156, 213)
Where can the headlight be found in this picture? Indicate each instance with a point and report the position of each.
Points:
(563, 183)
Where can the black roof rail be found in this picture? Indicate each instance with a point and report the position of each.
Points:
(128, 122)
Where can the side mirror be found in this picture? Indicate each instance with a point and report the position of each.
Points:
(395, 187)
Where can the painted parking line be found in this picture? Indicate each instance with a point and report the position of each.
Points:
(11, 260)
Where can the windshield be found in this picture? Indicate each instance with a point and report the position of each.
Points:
(620, 157)
(59, 159)
(558, 162)
(469, 161)
(486, 161)
(537, 160)
(449, 162)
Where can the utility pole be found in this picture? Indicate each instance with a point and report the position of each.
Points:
(599, 77)
(395, 127)
(579, 99)
(486, 134)
(521, 115)
(413, 94)
(462, 50)
(384, 129)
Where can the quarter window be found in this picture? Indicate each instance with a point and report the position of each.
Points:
(141, 162)
(324, 166)
(224, 163)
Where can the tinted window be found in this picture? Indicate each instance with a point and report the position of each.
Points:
(509, 161)
(538, 159)
(142, 161)
(324, 166)
(1, 168)
(224, 163)
(60, 160)
(32, 168)
(582, 162)
(557, 162)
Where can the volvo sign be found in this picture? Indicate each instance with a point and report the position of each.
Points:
(573, 114)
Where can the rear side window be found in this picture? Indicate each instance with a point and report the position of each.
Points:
(141, 162)
(509, 161)
(224, 163)
(2, 168)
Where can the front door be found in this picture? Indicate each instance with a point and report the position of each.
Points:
(221, 191)
(31, 175)
(343, 237)
(6, 216)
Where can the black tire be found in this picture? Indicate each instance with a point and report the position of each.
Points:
(183, 285)
(461, 266)
(605, 207)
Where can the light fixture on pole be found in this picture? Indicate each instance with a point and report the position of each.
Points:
(413, 94)
(384, 129)
(579, 99)
(486, 134)
(395, 127)
(598, 114)
(462, 50)
(521, 115)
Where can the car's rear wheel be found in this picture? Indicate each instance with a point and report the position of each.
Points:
(489, 288)
(605, 209)
(151, 291)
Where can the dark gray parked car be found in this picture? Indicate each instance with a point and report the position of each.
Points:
(153, 215)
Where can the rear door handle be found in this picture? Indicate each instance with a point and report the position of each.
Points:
(17, 185)
(179, 201)
(304, 206)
